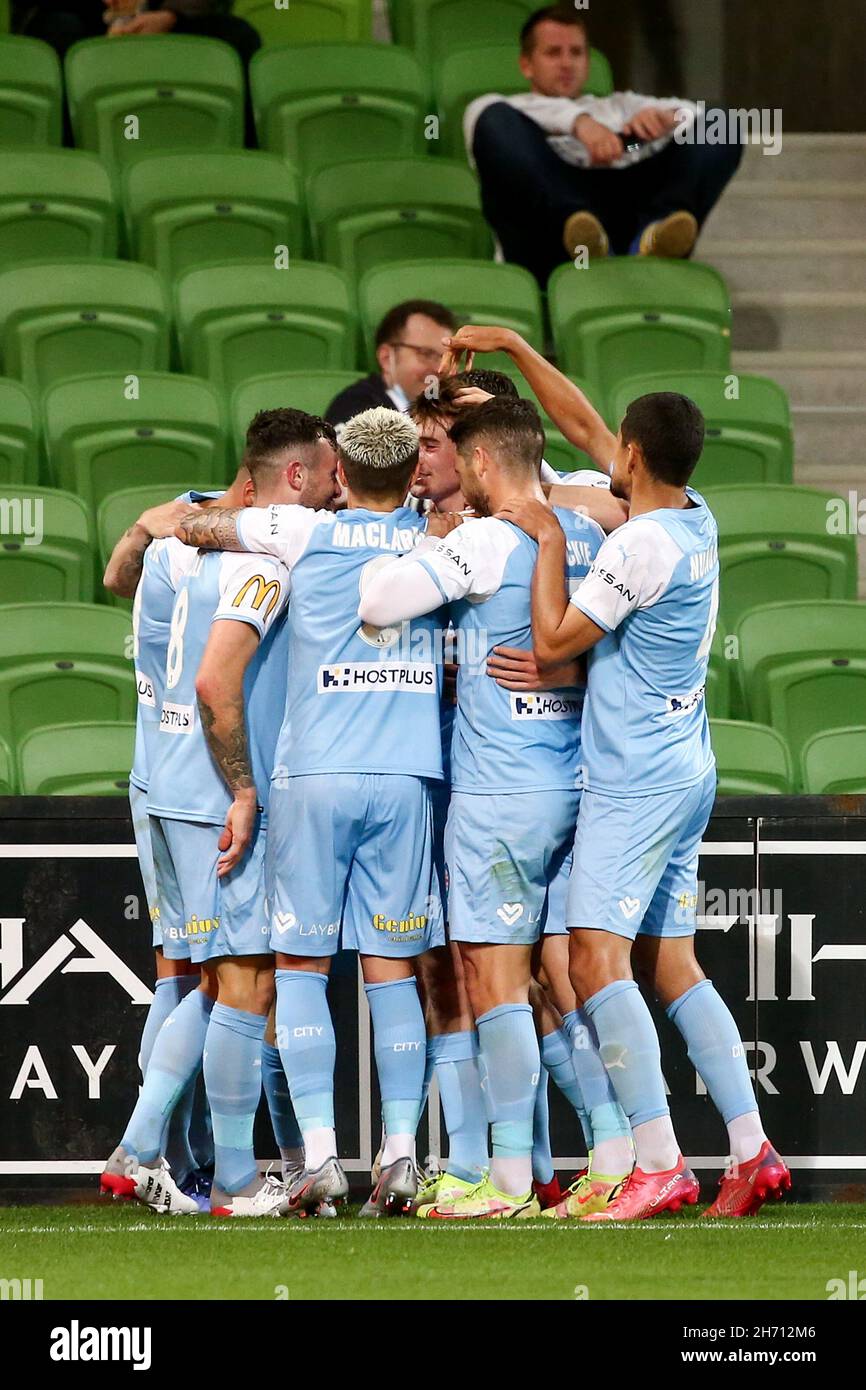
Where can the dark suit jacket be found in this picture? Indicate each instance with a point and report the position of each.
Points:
(361, 395)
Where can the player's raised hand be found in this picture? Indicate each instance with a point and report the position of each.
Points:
(235, 839)
(163, 520)
(471, 395)
(535, 518)
(469, 340)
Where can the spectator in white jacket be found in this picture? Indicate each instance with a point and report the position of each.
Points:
(560, 171)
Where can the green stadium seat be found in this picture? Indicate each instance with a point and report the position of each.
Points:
(62, 318)
(19, 434)
(171, 436)
(308, 21)
(31, 92)
(802, 668)
(774, 546)
(558, 452)
(477, 292)
(748, 440)
(62, 661)
(365, 213)
(242, 320)
(319, 105)
(613, 317)
(183, 90)
(8, 784)
(834, 762)
(435, 28)
(120, 510)
(719, 695)
(752, 759)
(46, 547)
(183, 210)
(468, 73)
(80, 759)
(310, 391)
(55, 203)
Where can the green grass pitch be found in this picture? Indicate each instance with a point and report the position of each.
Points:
(117, 1250)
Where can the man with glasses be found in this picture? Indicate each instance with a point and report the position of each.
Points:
(408, 353)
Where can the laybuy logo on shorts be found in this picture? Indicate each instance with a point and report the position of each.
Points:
(545, 707)
(510, 913)
(378, 677)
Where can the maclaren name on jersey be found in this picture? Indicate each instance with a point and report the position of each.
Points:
(375, 535)
(408, 677)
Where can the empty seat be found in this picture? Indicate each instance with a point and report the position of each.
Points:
(468, 73)
(774, 546)
(170, 434)
(120, 510)
(46, 547)
(435, 28)
(751, 759)
(803, 668)
(63, 661)
(558, 451)
(366, 213)
(19, 434)
(154, 91)
(749, 437)
(31, 92)
(307, 21)
(310, 391)
(719, 694)
(184, 209)
(613, 317)
(59, 318)
(242, 320)
(318, 105)
(55, 203)
(80, 759)
(8, 785)
(834, 762)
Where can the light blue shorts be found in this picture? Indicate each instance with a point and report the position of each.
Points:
(503, 853)
(204, 917)
(350, 865)
(141, 830)
(636, 861)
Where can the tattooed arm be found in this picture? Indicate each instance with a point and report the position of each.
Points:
(220, 691)
(123, 570)
(213, 529)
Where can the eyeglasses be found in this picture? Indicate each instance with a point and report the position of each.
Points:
(426, 354)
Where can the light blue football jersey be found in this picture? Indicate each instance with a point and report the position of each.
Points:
(164, 562)
(505, 741)
(359, 698)
(185, 782)
(654, 588)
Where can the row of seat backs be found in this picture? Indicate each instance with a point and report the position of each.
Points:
(90, 758)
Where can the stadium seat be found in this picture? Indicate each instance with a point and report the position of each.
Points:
(62, 661)
(774, 546)
(241, 320)
(55, 203)
(751, 759)
(477, 292)
(558, 452)
(611, 318)
(8, 784)
(719, 695)
(171, 435)
(61, 318)
(468, 73)
(180, 89)
(46, 548)
(748, 439)
(19, 434)
(435, 28)
(31, 88)
(310, 391)
(319, 105)
(120, 510)
(186, 209)
(365, 213)
(80, 759)
(802, 667)
(308, 21)
(834, 762)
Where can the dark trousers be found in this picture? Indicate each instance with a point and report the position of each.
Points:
(528, 191)
(66, 24)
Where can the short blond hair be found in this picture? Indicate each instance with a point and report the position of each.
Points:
(379, 450)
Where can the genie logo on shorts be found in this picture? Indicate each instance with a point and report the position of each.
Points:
(201, 926)
(678, 705)
(409, 928)
(545, 706)
(378, 677)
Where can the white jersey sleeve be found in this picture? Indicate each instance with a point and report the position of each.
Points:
(252, 590)
(631, 570)
(281, 531)
(583, 477)
(470, 562)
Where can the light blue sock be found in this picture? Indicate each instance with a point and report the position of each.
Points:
(307, 1046)
(556, 1058)
(542, 1158)
(629, 1048)
(510, 1065)
(400, 1046)
(233, 1080)
(276, 1086)
(175, 1140)
(715, 1049)
(606, 1118)
(455, 1059)
(200, 1130)
(174, 1061)
(166, 997)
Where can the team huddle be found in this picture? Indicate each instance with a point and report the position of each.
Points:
(446, 713)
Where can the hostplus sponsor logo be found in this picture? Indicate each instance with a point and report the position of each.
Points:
(378, 677)
(552, 707)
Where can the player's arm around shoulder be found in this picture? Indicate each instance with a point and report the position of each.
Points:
(428, 577)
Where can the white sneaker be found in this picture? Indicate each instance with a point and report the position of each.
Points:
(265, 1201)
(157, 1189)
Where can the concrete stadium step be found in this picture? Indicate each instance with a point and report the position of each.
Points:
(834, 433)
(808, 157)
(798, 318)
(811, 378)
(801, 209)
(770, 265)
